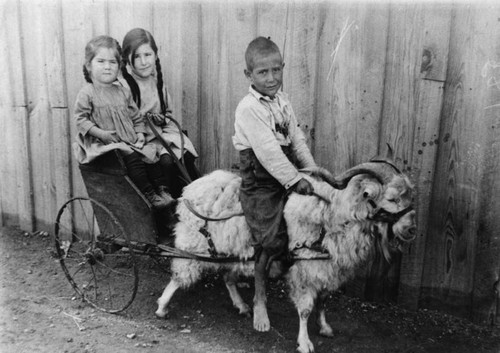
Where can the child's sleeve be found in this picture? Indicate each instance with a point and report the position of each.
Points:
(260, 137)
(82, 112)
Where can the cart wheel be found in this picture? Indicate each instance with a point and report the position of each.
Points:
(95, 254)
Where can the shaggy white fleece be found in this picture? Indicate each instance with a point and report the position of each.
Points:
(344, 219)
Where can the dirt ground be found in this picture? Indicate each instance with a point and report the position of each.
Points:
(40, 313)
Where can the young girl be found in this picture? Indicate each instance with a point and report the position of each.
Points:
(108, 119)
(143, 75)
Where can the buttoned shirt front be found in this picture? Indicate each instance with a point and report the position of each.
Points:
(265, 125)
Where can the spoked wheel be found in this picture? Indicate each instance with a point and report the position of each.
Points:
(96, 255)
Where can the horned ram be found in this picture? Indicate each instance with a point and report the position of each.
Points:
(367, 208)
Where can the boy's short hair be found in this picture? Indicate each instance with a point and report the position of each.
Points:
(259, 45)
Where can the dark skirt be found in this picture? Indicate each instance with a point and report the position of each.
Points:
(263, 200)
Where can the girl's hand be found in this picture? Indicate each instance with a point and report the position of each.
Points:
(157, 119)
(168, 114)
(140, 140)
(108, 137)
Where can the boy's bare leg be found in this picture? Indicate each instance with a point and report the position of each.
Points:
(260, 318)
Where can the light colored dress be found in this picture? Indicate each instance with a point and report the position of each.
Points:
(109, 108)
(150, 102)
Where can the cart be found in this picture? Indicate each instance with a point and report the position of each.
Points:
(98, 238)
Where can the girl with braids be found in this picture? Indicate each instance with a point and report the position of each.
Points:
(108, 119)
(141, 71)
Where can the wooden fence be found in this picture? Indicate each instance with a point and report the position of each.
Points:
(422, 76)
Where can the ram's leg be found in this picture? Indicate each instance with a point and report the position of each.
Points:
(230, 279)
(324, 328)
(260, 319)
(163, 301)
(184, 274)
(305, 304)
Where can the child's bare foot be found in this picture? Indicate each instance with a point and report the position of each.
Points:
(260, 319)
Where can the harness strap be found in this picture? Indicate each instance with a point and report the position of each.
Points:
(211, 246)
(203, 230)
(391, 218)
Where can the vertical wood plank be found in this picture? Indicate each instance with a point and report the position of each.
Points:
(240, 15)
(76, 34)
(403, 70)
(40, 114)
(413, 26)
(8, 204)
(128, 14)
(5, 111)
(447, 281)
(213, 90)
(433, 43)
(58, 102)
(191, 74)
(168, 37)
(18, 141)
(24, 189)
(184, 49)
(350, 83)
(352, 46)
(300, 73)
(96, 17)
(485, 294)
(272, 21)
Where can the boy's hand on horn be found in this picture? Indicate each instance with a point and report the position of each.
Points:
(303, 187)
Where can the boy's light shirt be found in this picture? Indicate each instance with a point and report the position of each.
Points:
(255, 120)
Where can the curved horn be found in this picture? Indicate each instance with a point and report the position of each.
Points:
(388, 159)
(376, 170)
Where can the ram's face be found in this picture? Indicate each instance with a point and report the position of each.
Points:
(397, 195)
(396, 219)
(361, 195)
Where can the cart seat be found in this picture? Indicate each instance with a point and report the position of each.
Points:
(110, 163)
(107, 182)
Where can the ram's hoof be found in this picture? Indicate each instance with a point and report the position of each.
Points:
(161, 314)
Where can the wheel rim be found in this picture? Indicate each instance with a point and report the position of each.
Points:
(96, 257)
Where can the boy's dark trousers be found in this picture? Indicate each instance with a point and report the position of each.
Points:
(263, 199)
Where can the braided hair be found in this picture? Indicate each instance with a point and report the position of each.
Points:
(95, 44)
(132, 41)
